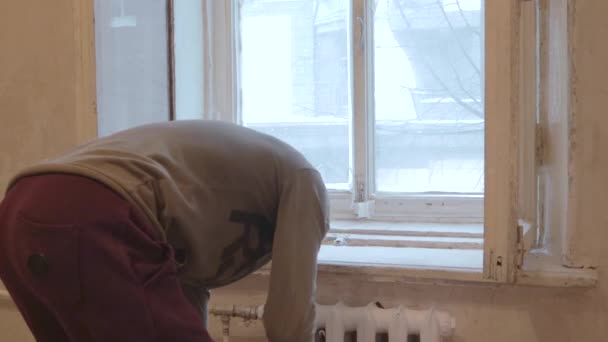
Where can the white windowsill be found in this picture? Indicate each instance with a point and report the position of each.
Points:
(404, 264)
(404, 251)
(446, 266)
(417, 253)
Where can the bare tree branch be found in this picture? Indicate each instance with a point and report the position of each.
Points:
(434, 74)
(464, 51)
(464, 18)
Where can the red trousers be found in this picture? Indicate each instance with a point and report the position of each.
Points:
(82, 266)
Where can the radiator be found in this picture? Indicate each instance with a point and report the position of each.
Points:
(334, 322)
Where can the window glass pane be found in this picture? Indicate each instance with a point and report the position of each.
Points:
(295, 78)
(188, 50)
(429, 125)
(132, 63)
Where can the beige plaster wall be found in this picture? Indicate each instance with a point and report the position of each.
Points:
(38, 75)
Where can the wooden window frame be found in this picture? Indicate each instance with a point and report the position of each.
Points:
(520, 100)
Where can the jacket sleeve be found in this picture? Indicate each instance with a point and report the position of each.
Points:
(302, 222)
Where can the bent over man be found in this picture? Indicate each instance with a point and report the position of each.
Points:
(119, 239)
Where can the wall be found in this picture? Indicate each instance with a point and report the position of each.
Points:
(132, 91)
(41, 82)
(45, 102)
(38, 77)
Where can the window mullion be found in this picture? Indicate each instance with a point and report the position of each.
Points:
(528, 184)
(362, 100)
(222, 63)
(502, 63)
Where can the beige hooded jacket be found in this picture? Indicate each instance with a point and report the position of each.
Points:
(227, 198)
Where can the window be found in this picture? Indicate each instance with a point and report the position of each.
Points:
(385, 98)
(132, 62)
(423, 116)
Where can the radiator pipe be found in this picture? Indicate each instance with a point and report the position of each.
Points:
(245, 312)
(227, 312)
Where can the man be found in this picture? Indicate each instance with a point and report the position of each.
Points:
(116, 239)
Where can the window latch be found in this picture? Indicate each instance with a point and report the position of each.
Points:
(362, 207)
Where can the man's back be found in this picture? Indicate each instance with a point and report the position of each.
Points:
(200, 182)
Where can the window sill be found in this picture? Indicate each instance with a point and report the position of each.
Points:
(406, 264)
(438, 266)
(428, 253)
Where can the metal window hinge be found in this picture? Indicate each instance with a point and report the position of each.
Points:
(539, 145)
(492, 266)
(360, 193)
